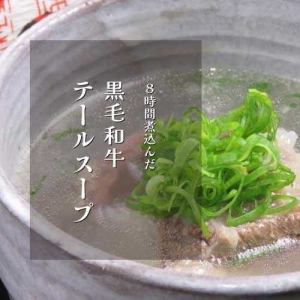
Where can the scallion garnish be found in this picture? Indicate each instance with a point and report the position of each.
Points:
(206, 168)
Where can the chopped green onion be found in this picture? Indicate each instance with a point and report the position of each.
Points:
(228, 166)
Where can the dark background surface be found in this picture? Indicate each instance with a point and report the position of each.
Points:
(3, 292)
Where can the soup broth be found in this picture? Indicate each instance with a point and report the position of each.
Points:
(116, 229)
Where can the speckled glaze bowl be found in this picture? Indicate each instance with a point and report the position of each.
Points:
(260, 35)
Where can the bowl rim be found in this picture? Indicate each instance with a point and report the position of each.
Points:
(130, 270)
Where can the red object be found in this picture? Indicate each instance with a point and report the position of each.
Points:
(1, 4)
(44, 7)
(32, 22)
